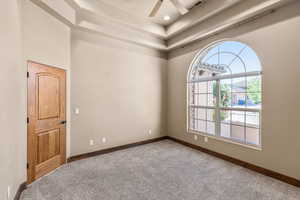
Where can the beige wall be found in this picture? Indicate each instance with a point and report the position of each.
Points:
(12, 101)
(46, 40)
(120, 91)
(27, 33)
(123, 90)
(275, 38)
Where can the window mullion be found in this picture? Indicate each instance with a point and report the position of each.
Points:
(218, 115)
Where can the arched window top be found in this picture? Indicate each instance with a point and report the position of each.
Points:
(224, 58)
(225, 93)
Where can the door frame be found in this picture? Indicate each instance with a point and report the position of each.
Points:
(67, 113)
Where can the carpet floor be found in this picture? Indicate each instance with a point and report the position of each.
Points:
(163, 170)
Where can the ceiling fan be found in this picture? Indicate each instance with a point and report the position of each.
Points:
(183, 10)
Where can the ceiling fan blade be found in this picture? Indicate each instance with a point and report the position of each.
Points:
(183, 10)
(156, 8)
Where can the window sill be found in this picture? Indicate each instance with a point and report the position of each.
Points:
(225, 140)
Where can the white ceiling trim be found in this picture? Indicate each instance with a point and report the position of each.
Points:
(97, 19)
(85, 19)
(115, 15)
(226, 20)
(111, 30)
(199, 14)
(127, 35)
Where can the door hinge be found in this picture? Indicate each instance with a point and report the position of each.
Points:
(27, 165)
(27, 74)
(27, 120)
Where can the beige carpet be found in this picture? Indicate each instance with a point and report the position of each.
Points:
(159, 171)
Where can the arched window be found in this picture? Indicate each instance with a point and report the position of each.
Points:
(224, 93)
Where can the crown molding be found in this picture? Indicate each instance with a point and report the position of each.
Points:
(199, 14)
(236, 15)
(127, 35)
(106, 28)
(199, 24)
(103, 11)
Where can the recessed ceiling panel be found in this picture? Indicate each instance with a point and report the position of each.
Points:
(142, 9)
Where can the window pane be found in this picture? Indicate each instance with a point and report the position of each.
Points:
(211, 128)
(254, 100)
(225, 116)
(254, 84)
(251, 60)
(237, 132)
(238, 118)
(252, 119)
(225, 130)
(211, 87)
(192, 98)
(225, 100)
(201, 113)
(211, 100)
(192, 87)
(225, 92)
(238, 85)
(201, 87)
(192, 123)
(225, 84)
(238, 100)
(237, 67)
(201, 99)
(192, 118)
(201, 126)
(211, 116)
(252, 136)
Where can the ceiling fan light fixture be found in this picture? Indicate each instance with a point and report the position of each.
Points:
(167, 17)
(180, 7)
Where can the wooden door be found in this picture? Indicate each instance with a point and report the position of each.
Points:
(46, 143)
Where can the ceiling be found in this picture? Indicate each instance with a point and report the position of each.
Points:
(142, 8)
(128, 21)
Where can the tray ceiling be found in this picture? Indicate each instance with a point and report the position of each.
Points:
(142, 8)
(128, 21)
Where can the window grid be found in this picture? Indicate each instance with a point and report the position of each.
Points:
(195, 106)
(243, 105)
(219, 108)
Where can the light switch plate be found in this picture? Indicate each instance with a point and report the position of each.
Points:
(76, 111)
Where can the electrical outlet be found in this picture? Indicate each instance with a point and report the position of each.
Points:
(91, 142)
(103, 140)
(150, 132)
(195, 137)
(205, 139)
(8, 192)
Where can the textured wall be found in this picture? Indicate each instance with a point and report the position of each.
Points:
(120, 91)
(12, 101)
(275, 38)
(46, 40)
(27, 33)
